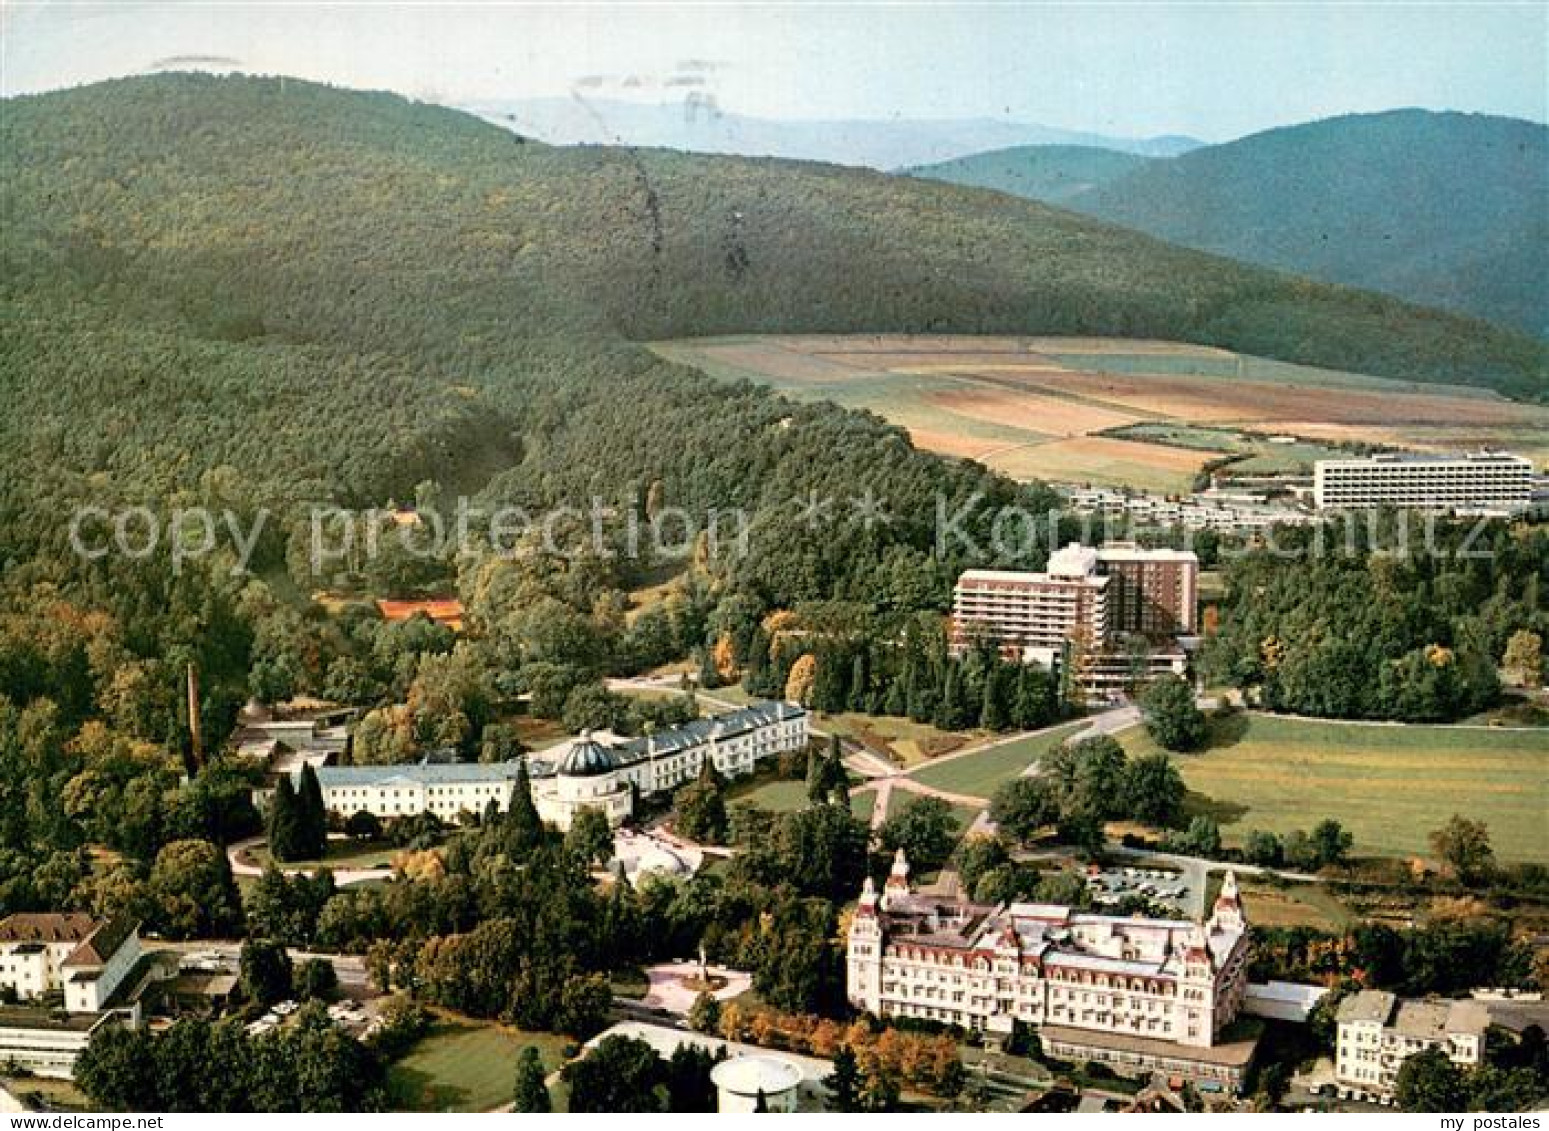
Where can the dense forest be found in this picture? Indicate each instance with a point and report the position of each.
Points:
(326, 295)
(1346, 627)
(1444, 209)
(255, 295)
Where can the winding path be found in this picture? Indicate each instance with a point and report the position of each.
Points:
(238, 853)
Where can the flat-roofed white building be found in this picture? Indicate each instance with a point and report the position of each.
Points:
(1378, 1031)
(1476, 483)
(1120, 605)
(1029, 612)
(46, 1043)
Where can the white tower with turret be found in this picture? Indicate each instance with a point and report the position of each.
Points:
(866, 943)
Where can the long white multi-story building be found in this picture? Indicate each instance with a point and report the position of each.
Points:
(1086, 594)
(1141, 994)
(586, 772)
(608, 777)
(1476, 483)
(1378, 1031)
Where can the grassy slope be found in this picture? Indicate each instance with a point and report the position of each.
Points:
(1390, 785)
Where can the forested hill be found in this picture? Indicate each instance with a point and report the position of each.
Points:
(1450, 210)
(336, 294)
(1054, 174)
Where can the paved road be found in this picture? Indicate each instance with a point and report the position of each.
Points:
(350, 968)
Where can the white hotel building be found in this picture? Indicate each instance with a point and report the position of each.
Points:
(1099, 600)
(597, 775)
(583, 773)
(1476, 483)
(1143, 995)
(94, 966)
(1378, 1031)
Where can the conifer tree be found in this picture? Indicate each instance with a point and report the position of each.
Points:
(285, 836)
(531, 1094)
(523, 828)
(312, 815)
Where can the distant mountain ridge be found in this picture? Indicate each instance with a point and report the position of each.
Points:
(1444, 209)
(334, 294)
(698, 125)
(1054, 174)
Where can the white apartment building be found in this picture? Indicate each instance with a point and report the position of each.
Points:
(598, 775)
(1476, 483)
(586, 772)
(1141, 994)
(1378, 1031)
(1085, 593)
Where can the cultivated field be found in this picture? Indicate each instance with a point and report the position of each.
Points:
(1048, 408)
(1389, 785)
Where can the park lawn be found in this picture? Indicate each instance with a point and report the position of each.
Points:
(54, 1092)
(340, 854)
(465, 1065)
(780, 795)
(978, 775)
(784, 795)
(1289, 905)
(1389, 785)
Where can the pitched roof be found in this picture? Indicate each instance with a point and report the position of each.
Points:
(700, 731)
(416, 773)
(1435, 1020)
(46, 926)
(103, 943)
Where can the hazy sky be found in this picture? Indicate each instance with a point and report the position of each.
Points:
(1212, 70)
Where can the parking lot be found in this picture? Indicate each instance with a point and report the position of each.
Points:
(1162, 887)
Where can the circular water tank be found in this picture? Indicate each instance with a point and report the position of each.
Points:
(739, 1081)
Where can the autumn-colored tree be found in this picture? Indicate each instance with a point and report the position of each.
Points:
(1524, 659)
(801, 681)
(723, 655)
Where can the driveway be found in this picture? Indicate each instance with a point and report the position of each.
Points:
(237, 855)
